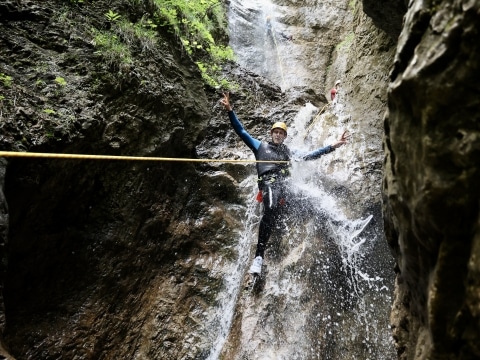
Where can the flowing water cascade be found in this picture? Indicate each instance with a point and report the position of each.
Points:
(227, 299)
(321, 297)
(264, 40)
(291, 45)
(367, 287)
(331, 301)
(327, 291)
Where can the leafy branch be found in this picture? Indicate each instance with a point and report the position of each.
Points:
(194, 22)
(112, 16)
(198, 24)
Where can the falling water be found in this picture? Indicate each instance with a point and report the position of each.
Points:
(234, 280)
(263, 41)
(353, 313)
(367, 288)
(328, 289)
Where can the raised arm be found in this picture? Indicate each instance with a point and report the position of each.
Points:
(327, 149)
(342, 140)
(251, 142)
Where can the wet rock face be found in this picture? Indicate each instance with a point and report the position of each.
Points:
(431, 181)
(4, 224)
(126, 259)
(93, 247)
(106, 256)
(307, 308)
(387, 15)
(116, 259)
(289, 42)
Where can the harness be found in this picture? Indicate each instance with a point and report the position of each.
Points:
(273, 176)
(272, 152)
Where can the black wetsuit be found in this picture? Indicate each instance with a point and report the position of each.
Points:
(272, 177)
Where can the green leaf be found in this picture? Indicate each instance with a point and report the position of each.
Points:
(112, 16)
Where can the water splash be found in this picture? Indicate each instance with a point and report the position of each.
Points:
(325, 256)
(365, 288)
(233, 281)
(317, 212)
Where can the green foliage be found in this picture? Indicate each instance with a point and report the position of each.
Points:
(149, 24)
(116, 45)
(170, 16)
(60, 81)
(2, 97)
(39, 83)
(112, 16)
(6, 80)
(221, 53)
(211, 74)
(351, 4)
(194, 22)
(111, 48)
(142, 32)
(49, 111)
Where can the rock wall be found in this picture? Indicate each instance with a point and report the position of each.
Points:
(296, 47)
(4, 224)
(103, 257)
(100, 253)
(431, 181)
(129, 259)
(387, 15)
(363, 65)
(303, 312)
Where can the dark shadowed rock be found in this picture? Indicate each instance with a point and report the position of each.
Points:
(431, 188)
(387, 15)
(130, 259)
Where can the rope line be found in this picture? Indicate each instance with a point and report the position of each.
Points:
(314, 121)
(130, 158)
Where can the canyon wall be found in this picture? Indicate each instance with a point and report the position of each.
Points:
(130, 259)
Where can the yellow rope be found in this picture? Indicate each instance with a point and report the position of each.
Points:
(114, 157)
(315, 120)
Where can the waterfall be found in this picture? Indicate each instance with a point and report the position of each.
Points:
(260, 41)
(366, 287)
(328, 288)
(234, 280)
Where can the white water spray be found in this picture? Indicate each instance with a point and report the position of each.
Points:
(335, 322)
(234, 280)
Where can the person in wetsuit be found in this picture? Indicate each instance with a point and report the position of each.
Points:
(272, 176)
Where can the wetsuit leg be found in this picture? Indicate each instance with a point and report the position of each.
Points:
(272, 196)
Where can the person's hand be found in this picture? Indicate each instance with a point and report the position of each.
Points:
(342, 140)
(226, 101)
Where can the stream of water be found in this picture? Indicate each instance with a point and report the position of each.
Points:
(234, 281)
(363, 328)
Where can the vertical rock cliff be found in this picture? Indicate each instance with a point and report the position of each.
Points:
(147, 259)
(431, 181)
(317, 297)
(99, 253)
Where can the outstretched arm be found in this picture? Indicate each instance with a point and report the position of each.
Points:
(342, 140)
(251, 142)
(327, 149)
